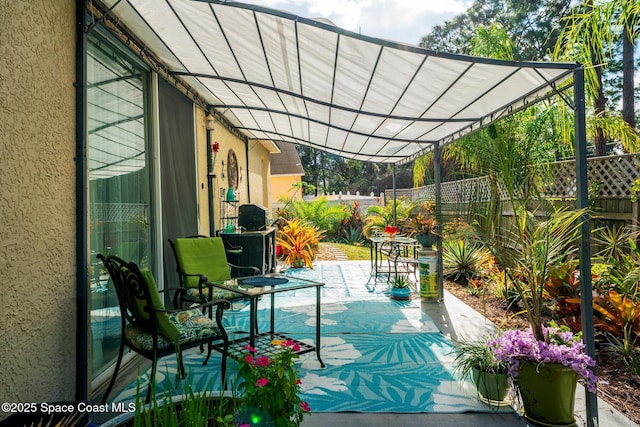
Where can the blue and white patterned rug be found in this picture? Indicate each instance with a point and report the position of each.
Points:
(381, 355)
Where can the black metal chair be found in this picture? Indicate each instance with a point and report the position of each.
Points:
(153, 331)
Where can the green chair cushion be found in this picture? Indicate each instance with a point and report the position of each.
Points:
(202, 256)
(165, 326)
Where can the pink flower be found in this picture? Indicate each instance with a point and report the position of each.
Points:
(248, 347)
(249, 359)
(305, 406)
(298, 381)
(262, 361)
(262, 382)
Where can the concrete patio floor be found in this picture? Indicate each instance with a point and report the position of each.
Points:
(458, 322)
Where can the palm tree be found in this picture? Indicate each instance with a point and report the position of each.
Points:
(587, 38)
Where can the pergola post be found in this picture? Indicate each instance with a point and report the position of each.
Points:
(395, 218)
(437, 171)
(582, 201)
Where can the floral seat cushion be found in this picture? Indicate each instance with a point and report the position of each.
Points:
(193, 295)
(192, 324)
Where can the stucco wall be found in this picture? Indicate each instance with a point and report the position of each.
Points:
(281, 187)
(37, 201)
(259, 173)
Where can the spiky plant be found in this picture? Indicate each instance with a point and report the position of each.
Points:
(298, 241)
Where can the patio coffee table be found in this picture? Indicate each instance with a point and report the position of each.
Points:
(256, 287)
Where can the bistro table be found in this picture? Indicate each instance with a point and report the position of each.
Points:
(400, 251)
(256, 287)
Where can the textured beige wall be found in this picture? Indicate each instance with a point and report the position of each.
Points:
(37, 201)
(259, 173)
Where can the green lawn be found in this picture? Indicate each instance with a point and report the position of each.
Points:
(354, 253)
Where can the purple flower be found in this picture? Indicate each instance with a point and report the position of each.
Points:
(560, 346)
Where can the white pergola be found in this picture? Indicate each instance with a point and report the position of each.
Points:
(280, 77)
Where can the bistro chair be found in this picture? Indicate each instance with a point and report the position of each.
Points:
(152, 331)
(199, 260)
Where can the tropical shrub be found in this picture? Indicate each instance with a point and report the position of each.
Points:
(458, 229)
(379, 217)
(532, 251)
(351, 226)
(298, 241)
(617, 314)
(319, 212)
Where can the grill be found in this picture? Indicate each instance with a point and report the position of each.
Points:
(252, 217)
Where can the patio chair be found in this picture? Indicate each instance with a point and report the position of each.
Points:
(152, 331)
(202, 259)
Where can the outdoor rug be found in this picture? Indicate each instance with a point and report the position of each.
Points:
(381, 355)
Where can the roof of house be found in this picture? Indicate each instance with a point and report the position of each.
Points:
(287, 162)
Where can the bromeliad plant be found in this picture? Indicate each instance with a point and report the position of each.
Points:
(299, 241)
(269, 388)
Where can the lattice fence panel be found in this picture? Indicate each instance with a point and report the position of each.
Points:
(118, 212)
(615, 174)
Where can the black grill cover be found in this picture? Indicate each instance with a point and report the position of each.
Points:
(252, 217)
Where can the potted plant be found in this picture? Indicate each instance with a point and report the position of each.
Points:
(477, 362)
(546, 371)
(422, 227)
(269, 387)
(400, 287)
(530, 254)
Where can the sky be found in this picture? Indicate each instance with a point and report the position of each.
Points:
(405, 21)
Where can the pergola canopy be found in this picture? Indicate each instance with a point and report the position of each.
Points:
(276, 76)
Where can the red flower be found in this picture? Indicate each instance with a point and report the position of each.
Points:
(262, 382)
(215, 147)
(305, 406)
(391, 229)
(249, 359)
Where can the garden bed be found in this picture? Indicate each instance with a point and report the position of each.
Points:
(616, 385)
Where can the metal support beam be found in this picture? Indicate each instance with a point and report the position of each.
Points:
(82, 241)
(437, 172)
(395, 218)
(582, 201)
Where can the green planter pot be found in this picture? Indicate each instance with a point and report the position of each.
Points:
(493, 387)
(548, 393)
(426, 239)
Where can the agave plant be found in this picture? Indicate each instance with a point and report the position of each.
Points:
(299, 241)
(463, 259)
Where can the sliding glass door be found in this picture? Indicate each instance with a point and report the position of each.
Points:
(119, 182)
